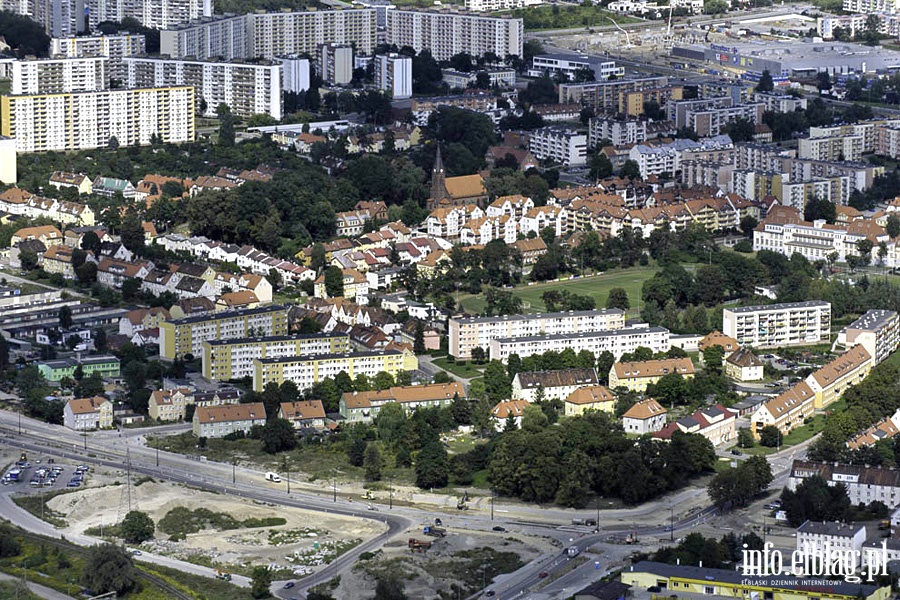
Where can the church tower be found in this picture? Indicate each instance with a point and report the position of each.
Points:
(438, 182)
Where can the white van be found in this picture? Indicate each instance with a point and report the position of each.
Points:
(273, 477)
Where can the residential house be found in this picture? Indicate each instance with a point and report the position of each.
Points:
(109, 187)
(715, 423)
(142, 318)
(830, 381)
(717, 338)
(882, 430)
(815, 538)
(87, 414)
(743, 365)
(594, 397)
(502, 411)
(646, 416)
(786, 411)
(219, 421)
(636, 376)
(61, 179)
(364, 406)
(46, 234)
(58, 259)
(531, 250)
(303, 414)
(169, 405)
(551, 385)
(236, 300)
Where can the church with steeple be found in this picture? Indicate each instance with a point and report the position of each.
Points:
(454, 191)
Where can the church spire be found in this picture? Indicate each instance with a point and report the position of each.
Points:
(438, 181)
(438, 163)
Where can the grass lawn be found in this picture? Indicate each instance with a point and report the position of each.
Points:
(596, 286)
(568, 17)
(466, 370)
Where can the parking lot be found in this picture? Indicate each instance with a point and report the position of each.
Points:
(44, 476)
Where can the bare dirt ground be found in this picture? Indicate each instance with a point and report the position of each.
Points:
(307, 538)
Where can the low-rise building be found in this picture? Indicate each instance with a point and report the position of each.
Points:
(884, 429)
(57, 370)
(833, 379)
(636, 376)
(219, 421)
(169, 405)
(551, 385)
(786, 411)
(87, 414)
(715, 423)
(593, 397)
(363, 407)
(503, 411)
(303, 414)
(814, 538)
(743, 365)
(864, 484)
(646, 416)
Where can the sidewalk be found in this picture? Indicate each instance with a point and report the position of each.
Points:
(40, 590)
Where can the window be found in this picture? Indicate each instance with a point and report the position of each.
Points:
(708, 589)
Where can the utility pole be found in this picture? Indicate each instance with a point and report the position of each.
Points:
(672, 524)
(492, 504)
(157, 456)
(287, 473)
(391, 493)
(233, 473)
(20, 420)
(334, 484)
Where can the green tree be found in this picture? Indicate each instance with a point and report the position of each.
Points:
(28, 260)
(600, 166)
(65, 318)
(90, 241)
(334, 282)
(631, 170)
(713, 357)
(100, 341)
(391, 423)
(748, 224)
(108, 569)
(137, 527)
(260, 582)
(278, 436)
(893, 226)
(432, 466)
(765, 82)
(419, 339)
(132, 232)
(745, 438)
(389, 587)
(618, 298)
(226, 125)
(820, 208)
(496, 382)
(373, 462)
(770, 436)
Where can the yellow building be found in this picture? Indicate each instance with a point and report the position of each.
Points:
(223, 360)
(8, 174)
(722, 583)
(169, 405)
(636, 376)
(786, 411)
(833, 379)
(594, 397)
(306, 371)
(186, 336)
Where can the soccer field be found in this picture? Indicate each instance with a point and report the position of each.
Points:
(596, 286)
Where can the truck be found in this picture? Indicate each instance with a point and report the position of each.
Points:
(223, 575)
(420, 545)
(273, 477)
(434, 531)
(588, 522)
(573, 551)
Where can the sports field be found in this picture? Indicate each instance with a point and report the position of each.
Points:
(596, 286)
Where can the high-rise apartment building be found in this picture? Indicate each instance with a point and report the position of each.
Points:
(335, 63)
(82, 120)
(295, 74)
(59, 75)
(113, 47)
(778, 325)
(446, 33)
(247, 88)
(393, 74)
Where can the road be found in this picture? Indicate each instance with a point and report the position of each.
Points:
(109, 449)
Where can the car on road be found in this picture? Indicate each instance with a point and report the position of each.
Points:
(73, 484)
(543, 574)
(498, 528)
(490, 593)
(136, 552)
(655, 589)
(735, 451)
(289, 585)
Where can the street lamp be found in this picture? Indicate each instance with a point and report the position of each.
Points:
(287, 473)
(233, 472)
(334, 484)
(391, 493)
(492, 504)
(672, 524)
(157, 456)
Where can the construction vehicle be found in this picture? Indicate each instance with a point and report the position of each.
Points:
(632, 538)
(461, 505)
(369, 495)
(434, 531)
(223, 575)
(420, 545)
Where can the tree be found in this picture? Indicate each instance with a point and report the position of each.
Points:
(389, 588)
(419, 339)
(893, 226)
(741, 130)
(260, 582)
(108, 569)
(713, 357)
(745, 438)
(497, 385)
(432, 466)
(100, 341)
(278, 436)
(618, 298)
(748, 224)
(28, 260)
(765, 82)
(770, 436)
(65, 318)
(600, 165)
(226, 125)
(820, 208)
(373, 462)
(90, 241)
(631, 170)
(334, 281)
(132, 232)
(137, 527)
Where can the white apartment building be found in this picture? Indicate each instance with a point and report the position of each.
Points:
(553, 385)
(393, 74)
(713, 121)
(247, 88)
(503, 78)
(335, 63)
(620, 133)
(447, 33)
(872, 6)
(495, 5)
(114, 47)
(8, 174)
(864, 484)
(779, 102)
(465, 333)
(227, 359)
(838, 147)
(156, 14)
(44, 122)
(779, 325)
(797, 193)
(659, 159)
(570, 64)
(814, 538)
(267, 35)
(562, 145)
(878, 331)
(58, 75)
(295, 74)
(306, 371)
(815, 241)
(617, 341)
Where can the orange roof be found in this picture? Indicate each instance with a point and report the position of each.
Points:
(16, 195)
(797, 396)
(645, 409)
(407, 393)
(304, 409)
(846, 363)
(465, 186)
(654, 368)
(48, 231)
(717, 338)
(591, 395)
(83, 406)
(502, 410)
(240, 298)
(231, 412)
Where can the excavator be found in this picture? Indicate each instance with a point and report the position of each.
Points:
(462, 503)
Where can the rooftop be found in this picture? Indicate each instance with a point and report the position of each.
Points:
(555, 315)
(784, 306)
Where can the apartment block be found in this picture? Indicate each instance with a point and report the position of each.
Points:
(786, 411)
(714, 121)
(8, 159)
(779, 325)
(335, 63)
(295, 74)
(227, 359)
(393, 74)
(604, 96)
(495, 5)
(878, 331)
(219, 421)
(267, 35)
(466, 333)
(782, 103)
(617, 341)
(814, 539)
(186, 336)
(553, 385)
(679, 112)
(636, 376)
(247, 88)
(798, 192)
(44, 122)
(620, 133)
(831, 380)
(363, 407)
(562, 145)
(447, 33)
(887, 141)
(158, 14)
(114, 47)
(504, 78)
(864, 484)
(59, 75)
(872, 6)
(815, 241)
(306, 371)
(838, 147)
(755, 185)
